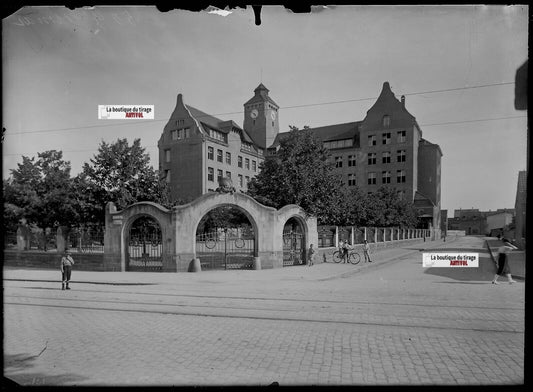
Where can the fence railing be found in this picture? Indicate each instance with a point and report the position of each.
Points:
(86, 240)
(330, 236)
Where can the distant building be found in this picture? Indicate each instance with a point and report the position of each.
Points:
(386, 149)
(475, 222)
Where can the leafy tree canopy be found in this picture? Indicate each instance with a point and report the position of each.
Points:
(301, 174)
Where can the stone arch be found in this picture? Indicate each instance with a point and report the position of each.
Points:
(178, 228)
(251, 219)
(119, 223)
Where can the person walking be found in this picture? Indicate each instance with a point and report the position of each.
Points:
(311, 256)
(502, 262)
(66, 269)
(366, 251)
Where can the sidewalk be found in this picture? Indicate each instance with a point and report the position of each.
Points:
(320, 271)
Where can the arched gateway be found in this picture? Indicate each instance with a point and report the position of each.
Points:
(178, 241)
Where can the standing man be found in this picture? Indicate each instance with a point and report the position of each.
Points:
(311, 256)
(366, 251)
(66, 269)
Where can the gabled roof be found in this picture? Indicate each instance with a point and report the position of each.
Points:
(326, 133)
(205, 118)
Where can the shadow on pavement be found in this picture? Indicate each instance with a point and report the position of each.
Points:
(15, 375)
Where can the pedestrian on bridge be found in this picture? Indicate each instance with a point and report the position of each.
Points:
(66, 269)
(502, 262)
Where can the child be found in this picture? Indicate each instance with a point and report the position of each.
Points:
(311, 255)
(66, 269)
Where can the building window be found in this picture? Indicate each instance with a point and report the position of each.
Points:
(178, 134)
(228, 174)
(246, 180)
(219, 155)
(167, 155)
(371, 158)
(338, 161)
(240, 180)
(386, 121)
(386, 138)
(219, 175)
(372, 141)
(402, 136)
(210, 174)
(351, 160)
(247, 163)
(338, 144)
(385, 177)
(239, 161)
(254, 166)
(371, 178)
(180, 123)
(210, 153)
(385, 157)
(217, 135)
(228, 158)
(400, 176)
(167, 175)
(351, 179)
(401, 156)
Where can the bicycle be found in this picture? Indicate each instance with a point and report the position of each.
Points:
(352, 257)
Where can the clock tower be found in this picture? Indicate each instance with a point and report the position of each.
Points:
(261, 117)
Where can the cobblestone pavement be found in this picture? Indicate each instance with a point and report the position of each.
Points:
(389, 323)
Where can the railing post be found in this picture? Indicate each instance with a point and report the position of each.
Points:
(23, 237)
(61, 239)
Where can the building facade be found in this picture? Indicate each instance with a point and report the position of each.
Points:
(197, 149)
(386, 148)
(476, 222)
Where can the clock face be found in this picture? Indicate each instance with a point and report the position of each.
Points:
(254, 113)
(273, 115)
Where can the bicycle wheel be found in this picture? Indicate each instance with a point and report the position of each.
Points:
(337, 257)
(355, 258)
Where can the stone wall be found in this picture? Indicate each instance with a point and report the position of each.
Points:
(51, 260)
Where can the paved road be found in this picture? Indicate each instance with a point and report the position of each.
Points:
(389, 323)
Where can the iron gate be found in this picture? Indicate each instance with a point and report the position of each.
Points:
(225, 249)
(145, 247)
(293, 249)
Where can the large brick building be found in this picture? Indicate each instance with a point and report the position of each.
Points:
(386, 148)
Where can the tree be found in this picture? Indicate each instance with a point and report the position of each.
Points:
(119, 173)
(40, 191)
(301, 174)
(386, 208)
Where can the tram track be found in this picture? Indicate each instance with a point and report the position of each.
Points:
(368, 314)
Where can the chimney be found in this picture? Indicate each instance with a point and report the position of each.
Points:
(403, 100)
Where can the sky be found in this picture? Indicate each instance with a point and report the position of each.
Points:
(456, 66)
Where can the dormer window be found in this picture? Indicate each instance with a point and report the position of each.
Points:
(386, 121)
